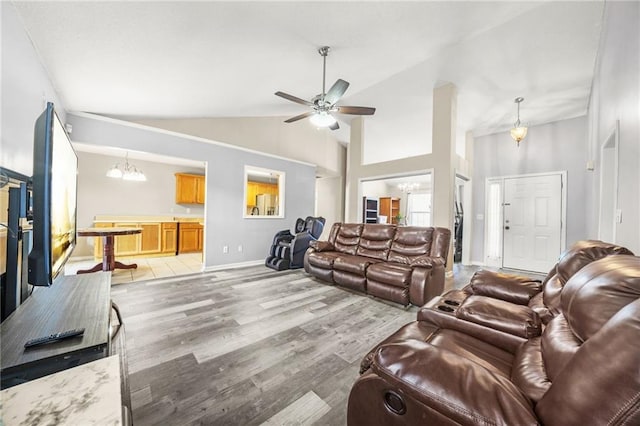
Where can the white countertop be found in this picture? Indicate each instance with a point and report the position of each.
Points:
(85, 395)
(148, 219)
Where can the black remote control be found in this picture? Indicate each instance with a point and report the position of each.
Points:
(54, 337)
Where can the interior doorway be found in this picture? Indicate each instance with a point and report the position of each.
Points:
(608, 216)
(461, 204)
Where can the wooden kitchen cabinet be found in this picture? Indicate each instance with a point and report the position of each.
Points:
(169, 237)
(190, 188)
(155, 238)
(127, 245)
(390, 207)
(190, 237)
(257, 188)
(150, 238)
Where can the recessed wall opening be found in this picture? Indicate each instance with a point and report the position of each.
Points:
(401, 200)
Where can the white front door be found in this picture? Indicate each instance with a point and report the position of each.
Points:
(532, 222)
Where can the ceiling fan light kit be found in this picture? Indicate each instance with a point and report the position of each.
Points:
(322, 119)
(324, 104)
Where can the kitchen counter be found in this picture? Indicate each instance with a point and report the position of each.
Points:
(148, 219)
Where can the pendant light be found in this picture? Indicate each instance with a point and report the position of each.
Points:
(519, 131)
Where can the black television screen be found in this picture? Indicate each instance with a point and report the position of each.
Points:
(54, 186)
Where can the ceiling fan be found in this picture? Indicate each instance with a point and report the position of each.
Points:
(324, 104)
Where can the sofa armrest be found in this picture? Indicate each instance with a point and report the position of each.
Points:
(427, 261)
(509, 287)
(321, 245)
(439, 313)
(500, 315)
(453, 386)
(427, 282)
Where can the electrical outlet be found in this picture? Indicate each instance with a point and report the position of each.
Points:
(619, 216)
(240, 248)
(225, 249)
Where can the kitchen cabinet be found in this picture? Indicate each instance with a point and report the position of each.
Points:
(190, 188)
(150, 238)
(127, 245)
(190, 237)
(390, 207)
(169, 237)
(258, 188)
(155, 238)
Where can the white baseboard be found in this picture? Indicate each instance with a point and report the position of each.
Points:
(233, 265)
(448, 274)
(476, 263)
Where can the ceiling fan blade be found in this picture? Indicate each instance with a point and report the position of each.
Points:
(336, 91)
(293, 98)
(334, 126)
(356, 110)
(300, 117)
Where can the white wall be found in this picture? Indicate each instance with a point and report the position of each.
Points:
(615, 96)
(101, 195)
(329, 202)
(552, 147)
(299, 141)
(25, 90)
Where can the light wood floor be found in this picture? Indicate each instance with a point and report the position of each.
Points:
(249, 346)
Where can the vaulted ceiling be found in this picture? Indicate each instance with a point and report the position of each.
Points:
(174, 59)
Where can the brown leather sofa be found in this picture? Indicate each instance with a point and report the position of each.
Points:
(404, 264)
(511, 307)
(582, 369)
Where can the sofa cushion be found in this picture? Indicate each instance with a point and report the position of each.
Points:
(355, 264)
(598, 291)
(409, 242)
(348, 238)
(513, 288)
(323, 259)
(388, 292)
(375, 241)
(394, 274)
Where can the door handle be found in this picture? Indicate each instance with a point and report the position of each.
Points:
(506, 227)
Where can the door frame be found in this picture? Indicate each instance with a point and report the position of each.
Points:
(467, 202)
(614, 137)
(501, 179)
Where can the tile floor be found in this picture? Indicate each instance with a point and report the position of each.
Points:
(148, 267)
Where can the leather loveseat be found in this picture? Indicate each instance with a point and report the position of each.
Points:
(513, 308)
(582, 369)
(403, 264)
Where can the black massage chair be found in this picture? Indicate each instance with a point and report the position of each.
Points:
(287, 250)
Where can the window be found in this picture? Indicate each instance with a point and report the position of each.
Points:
(493, 240)
(263, 193)
(419, 209)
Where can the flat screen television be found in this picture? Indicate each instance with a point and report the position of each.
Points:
(54, 191)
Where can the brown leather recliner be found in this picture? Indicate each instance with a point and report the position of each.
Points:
(509, 307)
(542, 297)
(402, 264)
(583, 369)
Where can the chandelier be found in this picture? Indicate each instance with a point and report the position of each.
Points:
(519, 131)
(128, 171)
(408, 187)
